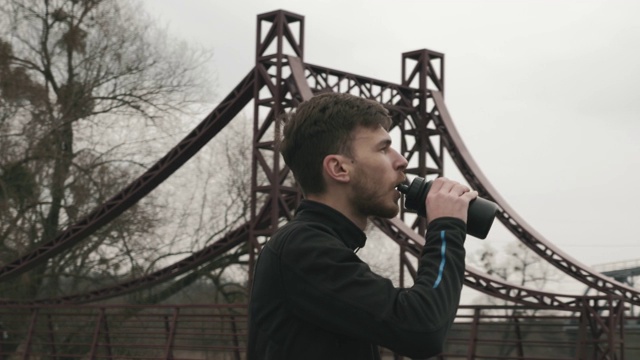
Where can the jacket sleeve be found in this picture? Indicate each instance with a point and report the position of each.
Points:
(328, 285)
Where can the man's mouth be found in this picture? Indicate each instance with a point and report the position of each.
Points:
(404, 181)
(398, 195)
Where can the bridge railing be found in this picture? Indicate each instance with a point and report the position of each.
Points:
(123, 332)
(217, 331)
(516, 332)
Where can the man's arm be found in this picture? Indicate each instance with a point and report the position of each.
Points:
(329, 286)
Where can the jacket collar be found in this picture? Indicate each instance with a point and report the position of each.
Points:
(346, 230)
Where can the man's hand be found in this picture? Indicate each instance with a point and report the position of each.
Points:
(448, 198)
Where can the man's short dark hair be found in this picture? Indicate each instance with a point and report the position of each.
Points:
(322, 126)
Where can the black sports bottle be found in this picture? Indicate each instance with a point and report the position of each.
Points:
(479, 218)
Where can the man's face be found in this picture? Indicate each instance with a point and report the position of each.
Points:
(378, 169)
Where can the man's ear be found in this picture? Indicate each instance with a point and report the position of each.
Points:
(337, 168)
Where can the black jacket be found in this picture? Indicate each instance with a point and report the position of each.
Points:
(313, 298)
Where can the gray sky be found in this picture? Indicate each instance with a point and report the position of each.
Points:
(546, 94)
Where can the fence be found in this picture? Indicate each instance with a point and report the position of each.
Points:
(124, 332)
(219, 332)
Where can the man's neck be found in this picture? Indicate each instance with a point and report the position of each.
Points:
(340, 204)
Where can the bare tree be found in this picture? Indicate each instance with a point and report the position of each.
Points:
(216, 198)
(80, 80)
(516, 264)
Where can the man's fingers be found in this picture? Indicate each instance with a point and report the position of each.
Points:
(436, 184)
(460, 189)
(445, 185)
(470, 195)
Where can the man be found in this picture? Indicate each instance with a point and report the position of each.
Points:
(312, 297)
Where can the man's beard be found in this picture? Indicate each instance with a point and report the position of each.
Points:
(370, 200)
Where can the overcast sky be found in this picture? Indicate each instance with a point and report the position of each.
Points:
(546, 94)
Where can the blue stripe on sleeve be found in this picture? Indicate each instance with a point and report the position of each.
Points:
(443, 250)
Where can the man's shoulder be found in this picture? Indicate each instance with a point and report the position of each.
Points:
(301, 233)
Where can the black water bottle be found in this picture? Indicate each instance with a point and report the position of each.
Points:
(479, 218)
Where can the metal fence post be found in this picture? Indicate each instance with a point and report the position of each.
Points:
(32, 328)
(471, 350)
(168, 351)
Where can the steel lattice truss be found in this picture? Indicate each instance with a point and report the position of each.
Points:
(276, 85)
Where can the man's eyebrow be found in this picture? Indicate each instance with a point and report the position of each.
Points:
(384, 143)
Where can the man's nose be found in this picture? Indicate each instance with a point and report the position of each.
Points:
(401, 162)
